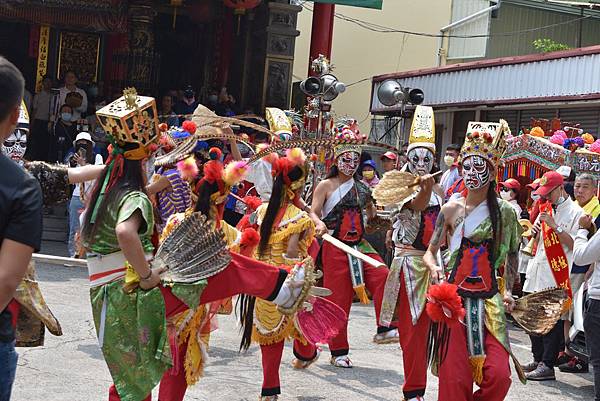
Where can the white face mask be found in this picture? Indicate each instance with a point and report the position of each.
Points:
(534, 197)
(15, 145)
(448, 160)
(506, 195)
(420, 161)
(476, 172)
(348, 163)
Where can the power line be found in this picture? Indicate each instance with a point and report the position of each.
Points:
(383, 29)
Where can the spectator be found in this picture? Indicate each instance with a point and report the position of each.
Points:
(167, 115)
(509, 191)
(569, 176)
(40, 140)
(403, 151)
(20, 223)
(369, 174)
(81, 154)
(451, 175)
(226, 106)
(187, 104)
(64, 133)
(212, 101)
(588, 253)
(563, 223)
(73, 96)
(389, 160)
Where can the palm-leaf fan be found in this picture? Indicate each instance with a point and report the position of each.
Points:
(395, 187)
(537, 313)
(193, 251)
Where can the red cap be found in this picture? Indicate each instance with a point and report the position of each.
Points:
(535, 184)
(389, 155)
(511, 183)
(549, 181)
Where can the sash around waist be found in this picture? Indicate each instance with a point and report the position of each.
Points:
(103, 269)
(407, 251)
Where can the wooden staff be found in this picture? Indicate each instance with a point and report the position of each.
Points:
(351, 251)
(58, 260)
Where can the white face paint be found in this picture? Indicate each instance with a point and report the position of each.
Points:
(15, 145)
(348, 163)
(476, 172)
(420, 161)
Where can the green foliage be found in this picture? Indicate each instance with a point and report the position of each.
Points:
(548, 45)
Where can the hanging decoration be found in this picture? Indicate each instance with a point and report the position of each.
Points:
(240, 7)
(175, 4)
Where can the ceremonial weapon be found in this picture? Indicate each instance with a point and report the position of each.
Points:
(348, 249)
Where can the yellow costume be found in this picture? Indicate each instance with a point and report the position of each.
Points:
(270, 326)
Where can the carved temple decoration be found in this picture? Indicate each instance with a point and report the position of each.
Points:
(142, 66)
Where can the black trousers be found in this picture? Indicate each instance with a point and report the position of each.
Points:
(546, 348)
(591, 325)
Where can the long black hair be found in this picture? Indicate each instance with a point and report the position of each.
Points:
(495, 214)
(205, 190)
(132, 179)
(275, 203)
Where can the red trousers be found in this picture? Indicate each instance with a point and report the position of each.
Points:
(271, 360)
(336, 277)
(242, 276)
(455, 377)
(413, 341)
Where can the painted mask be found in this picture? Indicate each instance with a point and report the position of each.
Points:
(348, 163)
(420, 161)
(15, 145)
(476, 172)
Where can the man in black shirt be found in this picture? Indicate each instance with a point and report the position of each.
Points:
(20, 223)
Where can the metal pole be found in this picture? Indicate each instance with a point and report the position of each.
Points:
(321, 38)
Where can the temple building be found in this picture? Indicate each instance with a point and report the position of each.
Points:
(246, 46)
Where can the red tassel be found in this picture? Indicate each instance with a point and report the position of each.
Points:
(322, 323)
(444, 304)
(249, 241)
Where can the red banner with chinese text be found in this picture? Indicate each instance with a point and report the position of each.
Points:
(556, 255)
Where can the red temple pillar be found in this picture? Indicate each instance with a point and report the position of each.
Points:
(321, 39)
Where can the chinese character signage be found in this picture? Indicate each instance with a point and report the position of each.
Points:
(42, 57)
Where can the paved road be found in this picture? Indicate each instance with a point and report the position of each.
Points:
(70, 368)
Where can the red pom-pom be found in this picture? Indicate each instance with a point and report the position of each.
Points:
(444, 304)
(163, 127)
(252, 202)
(189, 126)
(249, 241)
(152, 147)
(313, 157)
(215, 153)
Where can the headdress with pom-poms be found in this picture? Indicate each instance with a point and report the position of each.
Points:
(351, 132)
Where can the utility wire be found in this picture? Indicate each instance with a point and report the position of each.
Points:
(383, 29)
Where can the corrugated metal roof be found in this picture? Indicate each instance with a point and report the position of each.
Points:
(535, 78)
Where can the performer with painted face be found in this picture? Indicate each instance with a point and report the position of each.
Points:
(16, 144)
(408, 280)
(340, 201)
(483, 235)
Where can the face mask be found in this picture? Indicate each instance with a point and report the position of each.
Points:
(534, 197)
(506, 195)
(348, 163)
(560, 200)
(476, 172)
(213, 99)
(66, 116)
(368, 174)
(420, 161)
(448, 160)
(15, 145)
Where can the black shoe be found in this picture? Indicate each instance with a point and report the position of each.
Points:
(530, 367)
(541, 373)
(575, 365)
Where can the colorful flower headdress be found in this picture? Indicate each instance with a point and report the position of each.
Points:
(486, 140)
(350, 132)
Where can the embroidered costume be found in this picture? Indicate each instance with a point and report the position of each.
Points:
(408, 281)
(131, 323)
(479, 352)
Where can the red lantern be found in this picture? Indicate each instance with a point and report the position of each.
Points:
(240, 6)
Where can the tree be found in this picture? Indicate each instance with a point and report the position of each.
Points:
(548, 45)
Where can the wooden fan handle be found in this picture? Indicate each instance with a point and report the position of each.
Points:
(418, 180)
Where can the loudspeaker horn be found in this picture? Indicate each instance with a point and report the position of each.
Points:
(331, 87)
(390, 92)
(311, 86)
(416, 96)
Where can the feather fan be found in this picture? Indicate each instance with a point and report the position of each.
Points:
(537, 313)
(193, 251)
